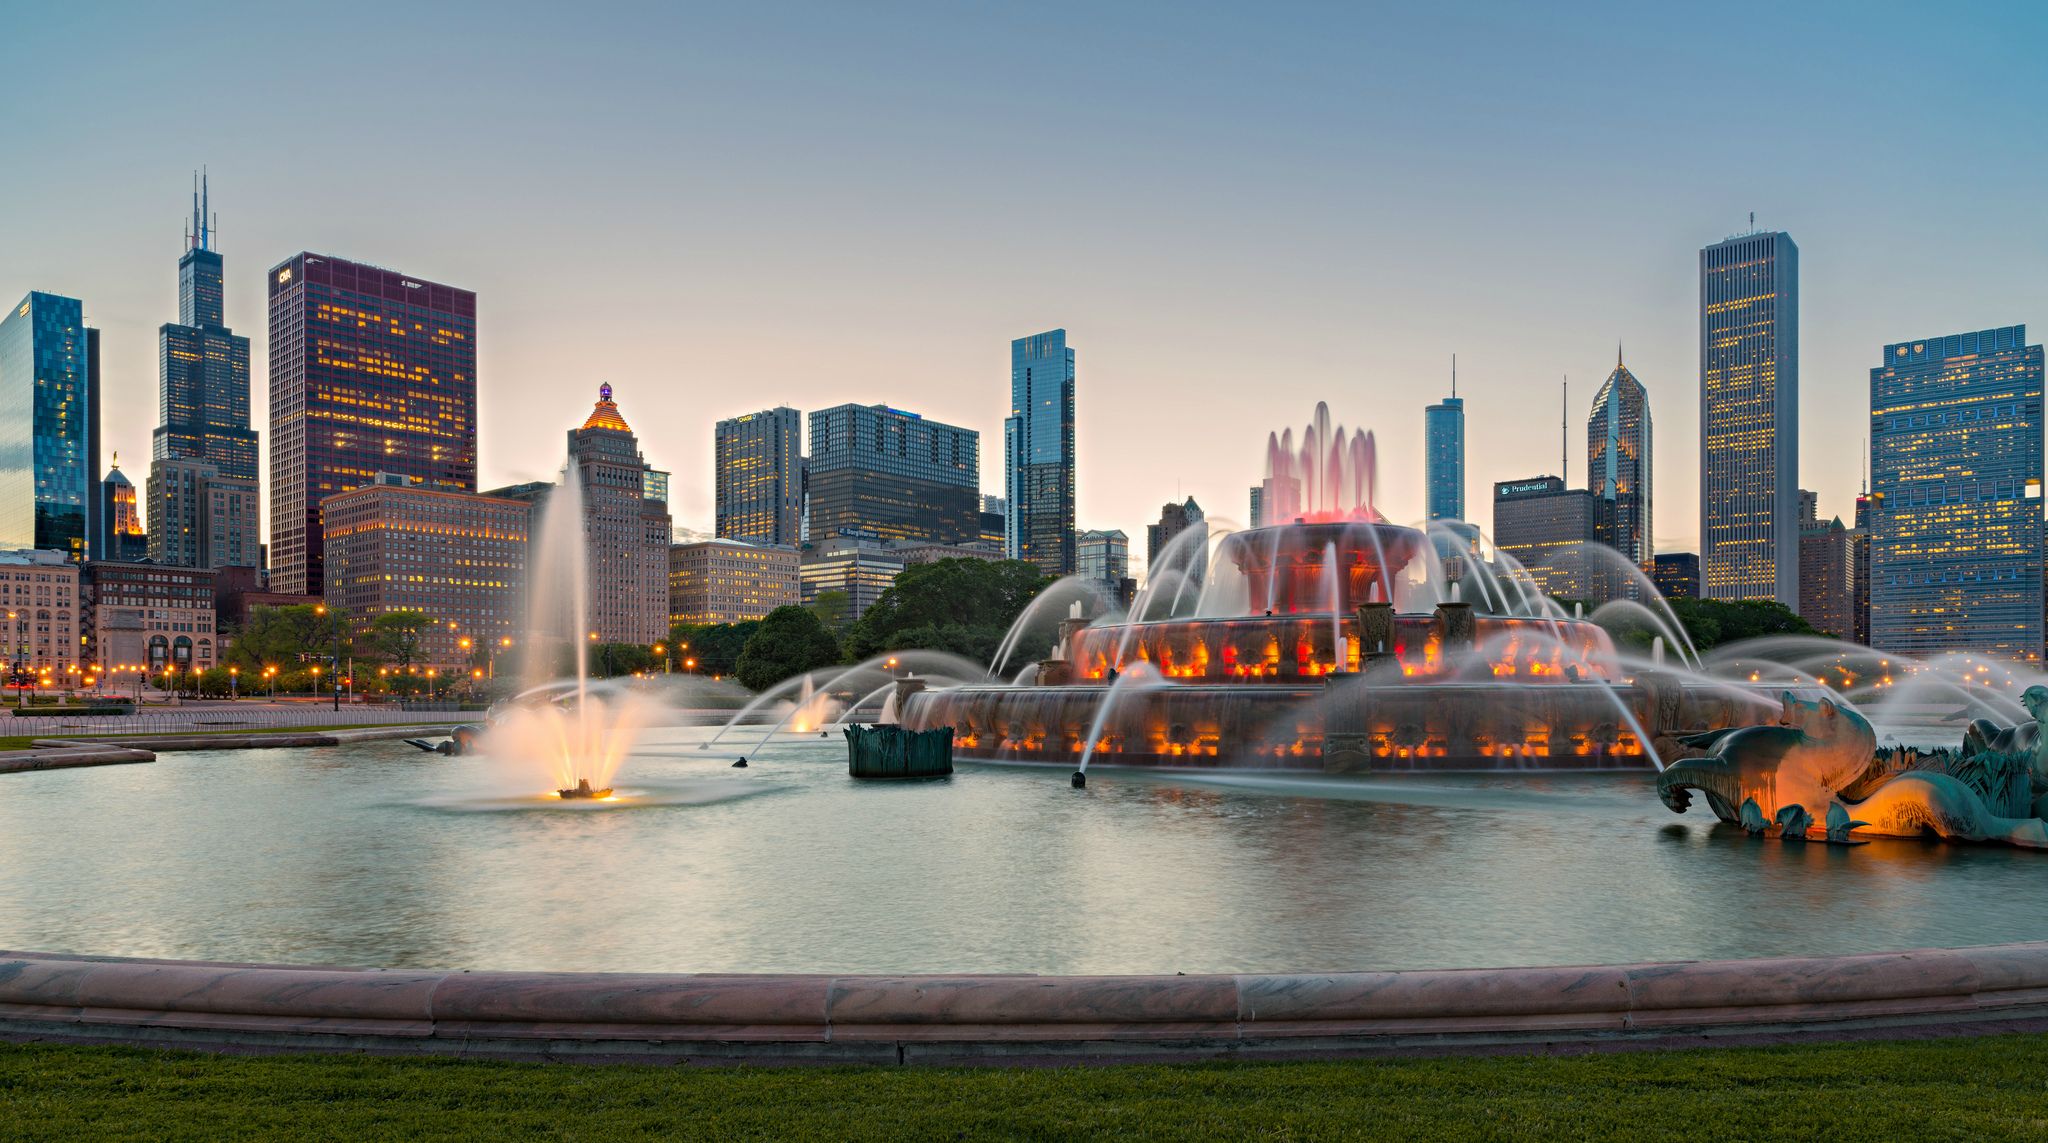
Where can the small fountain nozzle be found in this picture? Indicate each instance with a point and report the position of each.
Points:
(1080, 779)
(741, 764)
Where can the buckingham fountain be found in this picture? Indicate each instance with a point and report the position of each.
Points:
(1339, 642)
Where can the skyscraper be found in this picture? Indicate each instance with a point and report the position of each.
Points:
(1038, 453)
(1827, 570)
(203, 519)
(1545, 527)
(893, 475)
(1618, 462)
(120, 518)
(627, 527)
(370, 371)
(1443, 456)
(1956, 461)
(1749, 418)
(757, 474)
(50, 433)
(203, 419)
(1173, 520)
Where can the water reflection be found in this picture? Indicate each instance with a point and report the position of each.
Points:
(376, 854)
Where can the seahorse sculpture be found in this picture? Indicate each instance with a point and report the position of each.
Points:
(1822, 756)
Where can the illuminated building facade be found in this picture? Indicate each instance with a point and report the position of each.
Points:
(1956, 464)
(393, 545)
(757, 470)
(1749, 419)
(147, 616)
(120, 518)
(627, 525)
(1827, 571)
(727, 581)
(1443, 458)
(370, 371)
(895, 475)
(1676, 574)
(203, 421)
(862, 566)
(1545, 527)
(1038, 454)
(50, 433)
(205, 519)
(1618, 463)
(39, 614)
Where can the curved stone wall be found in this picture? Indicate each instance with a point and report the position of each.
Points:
(900, 1019)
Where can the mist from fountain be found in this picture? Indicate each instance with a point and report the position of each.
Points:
(568, 737)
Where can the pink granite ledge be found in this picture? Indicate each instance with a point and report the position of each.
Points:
(637, 1012)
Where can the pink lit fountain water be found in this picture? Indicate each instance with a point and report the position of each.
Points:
(1337, 642)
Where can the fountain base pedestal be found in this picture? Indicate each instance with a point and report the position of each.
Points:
(582, 790)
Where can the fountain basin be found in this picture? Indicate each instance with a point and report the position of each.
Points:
(964, 1019)
(1345, 724)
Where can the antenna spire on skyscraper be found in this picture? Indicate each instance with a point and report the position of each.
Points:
(1454, 374)
(1564, 434)
(200, 236)
(1617, 353)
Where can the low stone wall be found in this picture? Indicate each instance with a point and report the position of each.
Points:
(171, 743)
(64, 756)
(940, 1019)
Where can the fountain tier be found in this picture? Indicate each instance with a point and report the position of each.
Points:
(1316, 669)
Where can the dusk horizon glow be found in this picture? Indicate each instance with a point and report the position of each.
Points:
(1233, 214)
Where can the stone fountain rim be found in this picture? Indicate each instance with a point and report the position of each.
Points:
(904, 1018)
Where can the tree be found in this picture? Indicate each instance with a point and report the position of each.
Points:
(396, 634)
(789, 642)
(279, 636)
(715, 646)
(831, 607)
(1714, 622)
(958, 605)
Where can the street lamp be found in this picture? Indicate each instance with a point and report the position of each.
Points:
(268, 673)
(234, 681)
(334, 659)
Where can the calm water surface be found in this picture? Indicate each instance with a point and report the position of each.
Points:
(380, 855)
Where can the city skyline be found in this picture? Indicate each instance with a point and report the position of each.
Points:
(720, 310)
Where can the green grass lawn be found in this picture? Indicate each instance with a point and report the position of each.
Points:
(1987, 1088)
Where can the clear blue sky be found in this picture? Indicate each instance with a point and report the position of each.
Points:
(1235, 210)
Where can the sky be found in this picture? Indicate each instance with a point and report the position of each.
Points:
(1234, 210)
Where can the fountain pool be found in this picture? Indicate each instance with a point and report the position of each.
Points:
(375, 854)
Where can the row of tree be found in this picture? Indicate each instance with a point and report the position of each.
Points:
(964, 606)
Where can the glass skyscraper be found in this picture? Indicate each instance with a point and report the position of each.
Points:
(1956, 464)
(882, 472)
(50, 434)
(757, 471)
(1749, 419)
(370, 371)
(1038, 453)
(1443, 458)
(1618, 463)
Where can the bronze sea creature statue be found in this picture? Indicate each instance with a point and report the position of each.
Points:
(1822, 756)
